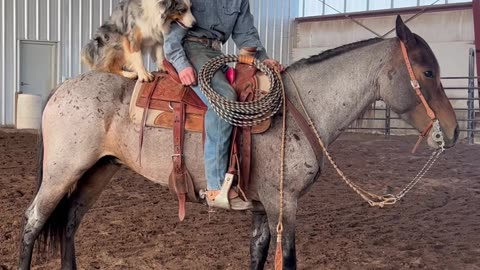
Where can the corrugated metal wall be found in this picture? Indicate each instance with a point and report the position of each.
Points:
(272, 18)
(72, 22)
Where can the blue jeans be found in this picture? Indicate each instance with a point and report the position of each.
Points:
(217, 130)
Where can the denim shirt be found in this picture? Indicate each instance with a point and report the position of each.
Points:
(216, 19)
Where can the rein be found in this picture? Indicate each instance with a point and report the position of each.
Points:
(437, 136)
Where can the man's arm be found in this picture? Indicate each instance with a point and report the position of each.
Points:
(175, 54)
(245, 34)
(173, 47)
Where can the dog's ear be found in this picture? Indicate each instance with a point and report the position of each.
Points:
(98, 41)
(166, 3)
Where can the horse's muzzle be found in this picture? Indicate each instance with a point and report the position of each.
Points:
(438, 139)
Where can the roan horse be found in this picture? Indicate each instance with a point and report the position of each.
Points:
(87, 135)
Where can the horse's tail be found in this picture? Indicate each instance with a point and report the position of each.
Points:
(54, 229)
(39, 161)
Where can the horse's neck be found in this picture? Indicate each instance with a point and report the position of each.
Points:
(337, 90)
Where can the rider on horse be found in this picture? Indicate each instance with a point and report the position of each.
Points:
(189, 49)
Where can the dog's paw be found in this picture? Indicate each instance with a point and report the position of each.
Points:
(130, 74)
(145, 76)
(161, 68)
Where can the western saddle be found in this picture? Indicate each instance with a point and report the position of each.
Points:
(166, 103)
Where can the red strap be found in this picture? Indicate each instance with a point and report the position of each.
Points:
(244, 84)
(416, 86)
(171, 70)
(178, 134)
(181, 206)
(144, 116)
(421, 136)
(232, 166)
(307, 130)
(415, 83)
(179, 170)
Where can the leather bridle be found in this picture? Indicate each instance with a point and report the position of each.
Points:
(437, 134)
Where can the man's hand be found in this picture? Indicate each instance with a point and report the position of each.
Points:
(188, 76)
(272, 63)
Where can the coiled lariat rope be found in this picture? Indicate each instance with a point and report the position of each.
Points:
(242, 114)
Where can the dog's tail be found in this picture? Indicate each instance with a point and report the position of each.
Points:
(105, 35)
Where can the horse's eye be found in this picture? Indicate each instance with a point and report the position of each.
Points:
(428, 74)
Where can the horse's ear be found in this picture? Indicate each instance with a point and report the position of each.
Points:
(403, 33)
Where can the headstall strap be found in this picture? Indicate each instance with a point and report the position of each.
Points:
(417, 88)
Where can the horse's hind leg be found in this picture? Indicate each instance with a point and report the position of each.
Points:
(33, 224)
(87, 191)
(58, 178)
(58, 174)
(260, 239)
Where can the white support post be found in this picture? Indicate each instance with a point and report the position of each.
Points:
(48, 20)
(80, 30)
(37, 20)
(70, 36)
(4, 102)
(25, 18)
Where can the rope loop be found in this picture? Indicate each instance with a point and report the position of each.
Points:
(243, 114)
(280, 228)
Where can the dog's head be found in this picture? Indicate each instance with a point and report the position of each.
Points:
(105, 33)
(98, 48)
(179, 11)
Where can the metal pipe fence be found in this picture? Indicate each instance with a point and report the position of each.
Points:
(465, 100)
(328, 7)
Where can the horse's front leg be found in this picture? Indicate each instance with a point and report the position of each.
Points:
(288, 241)
(260, 237)
(288, 237)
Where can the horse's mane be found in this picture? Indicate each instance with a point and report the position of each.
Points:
(334, 52)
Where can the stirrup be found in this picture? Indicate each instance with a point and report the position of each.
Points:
(221, 200)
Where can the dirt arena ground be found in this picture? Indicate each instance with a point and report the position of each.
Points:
(134, 224)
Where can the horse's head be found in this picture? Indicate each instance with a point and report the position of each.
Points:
(400, 94)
